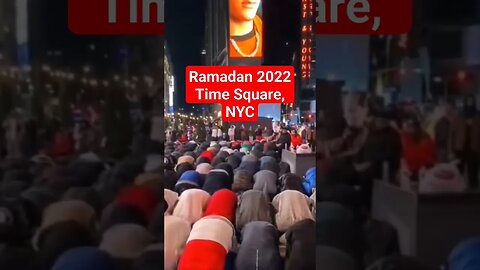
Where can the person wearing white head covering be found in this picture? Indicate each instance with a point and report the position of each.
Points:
(204, 168)
(186, 159)
(210, 240)
(231, 133)
(176, 233)
(126, 241)
(215, 228)
(292, 206)
(171, 198)
(191, 205)
(228, 150)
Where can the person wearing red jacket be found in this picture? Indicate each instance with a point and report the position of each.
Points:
(296, 139)
(418, 149)
(213, 236)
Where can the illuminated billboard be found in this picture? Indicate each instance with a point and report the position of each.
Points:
(245, 30)
(307, 40)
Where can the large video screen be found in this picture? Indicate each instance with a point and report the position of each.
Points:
(245, 30)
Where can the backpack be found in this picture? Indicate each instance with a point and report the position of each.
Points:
(310, 181)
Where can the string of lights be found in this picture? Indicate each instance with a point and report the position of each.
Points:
(22, 75)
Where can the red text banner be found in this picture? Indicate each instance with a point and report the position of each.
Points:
(240, 89)
(116, 17)
(368, 17)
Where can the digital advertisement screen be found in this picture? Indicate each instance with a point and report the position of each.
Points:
(245, 29)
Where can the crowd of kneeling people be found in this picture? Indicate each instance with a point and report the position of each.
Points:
(82, 212)
(221, 205)
(234, 205)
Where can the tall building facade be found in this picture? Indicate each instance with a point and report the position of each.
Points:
(7, 33)
(169, 84)
(216, 40)
(306, 93)
(216, 33)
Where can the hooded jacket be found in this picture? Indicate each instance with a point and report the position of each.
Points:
(176, 234)
(191, 205)
(259, 248)
(253, 206)
(301, 246)
(222, 203)
(266, 181)
(217, 179)
(208, 244)
(292, 206)
(242, 181)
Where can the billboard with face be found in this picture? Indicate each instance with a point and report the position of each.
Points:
(245, 30)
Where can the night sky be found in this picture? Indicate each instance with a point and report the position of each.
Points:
(184, 32)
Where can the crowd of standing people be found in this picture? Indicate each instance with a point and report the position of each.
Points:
(290, 137)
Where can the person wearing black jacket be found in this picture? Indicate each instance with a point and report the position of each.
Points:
(284, 140)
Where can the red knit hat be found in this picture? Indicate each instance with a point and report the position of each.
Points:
(236, 144)
(223, 203)
(203, 255)
(143, 198)
(208, 154)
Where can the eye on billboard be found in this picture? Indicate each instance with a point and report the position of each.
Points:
(245, 29)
